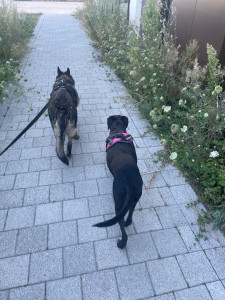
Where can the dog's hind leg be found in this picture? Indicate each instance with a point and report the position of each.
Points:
(129, 218)
(122, 243)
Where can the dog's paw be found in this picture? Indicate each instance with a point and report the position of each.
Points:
(121, 244)
(76, 137)
(128, 223)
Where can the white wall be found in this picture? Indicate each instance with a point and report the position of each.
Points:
(135, 12)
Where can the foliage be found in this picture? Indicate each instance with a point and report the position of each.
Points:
(15, 29)
(182, 100)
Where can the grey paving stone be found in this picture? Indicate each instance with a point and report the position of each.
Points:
(79, 259)
(140, 248)
(39, 164)
(105, 186)
(42, 141)
(145, 220)
(34, 132)
(108, 255)
(90, 147)
(163, 297)
(6, 182)
(46, 265)
(14, 271)
(31, 153)
(20, 217)
(48, 151)
(183, 193)
(60, 192)
(75, 209)
(12, 154)
(151, 198)
(168, 242)
(7, 243)
(100, 285)
(173, 177)
(88, 233)
(171, 216)
(2, 218)
(190, 213)
(158, 181)
(73, 174)
(95, 171)
(133, 282)
(216, 290)
(14, 167)
(30, 292)
(167, 195)
(216, 257)
(62, 234)
(100, 205)
(196, 268)
(32, 239)
(4, 295)
(198, 293)
(214, 238)
(3, 166)
(84, 159)
(26, 180)
(166, 275)
(189, 238)
(86, 188)
(50, 177)
(48, 213)
(11, 199)
(36, 195)
(64, 289)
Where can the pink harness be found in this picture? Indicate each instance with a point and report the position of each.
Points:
(123, 137)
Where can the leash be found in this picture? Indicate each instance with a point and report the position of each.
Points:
(32, 122)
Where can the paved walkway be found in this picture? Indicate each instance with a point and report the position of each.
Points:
(48, 247)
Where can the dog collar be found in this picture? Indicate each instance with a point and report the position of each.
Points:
(123, 137)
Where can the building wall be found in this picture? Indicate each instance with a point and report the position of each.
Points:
(203, 20)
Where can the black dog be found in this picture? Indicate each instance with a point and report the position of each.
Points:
(63, 113)
(127, 184)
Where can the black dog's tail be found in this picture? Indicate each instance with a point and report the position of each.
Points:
(60, 151)
(122, 212)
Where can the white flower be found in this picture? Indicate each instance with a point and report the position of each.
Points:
(142, 79)
(184, 89)
(166, 108)
(184, 128)
(132, 73)
(206, 115)
(214, 154)
(161, 98)
(155, 126)
(173, 155)
(218, 89)
(154, 74)
(181, 102)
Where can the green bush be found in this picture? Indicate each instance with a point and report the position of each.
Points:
(182, 100)
(15, 30)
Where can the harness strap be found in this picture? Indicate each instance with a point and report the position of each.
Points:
(123, 137)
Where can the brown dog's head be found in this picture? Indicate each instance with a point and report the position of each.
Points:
(65, 75)
(117, 121)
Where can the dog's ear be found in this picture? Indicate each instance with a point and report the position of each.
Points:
(110, 121)
(59, 71)
(68, 71)
(125, 121)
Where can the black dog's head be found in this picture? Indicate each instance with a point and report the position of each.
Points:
(117, 122)
(65, 75)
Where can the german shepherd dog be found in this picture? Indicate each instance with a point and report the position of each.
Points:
(63, 113)
(127, 184)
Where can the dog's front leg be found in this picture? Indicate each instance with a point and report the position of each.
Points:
(122, 243)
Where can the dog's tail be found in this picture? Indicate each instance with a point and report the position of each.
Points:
(60, 150)
(122, 212)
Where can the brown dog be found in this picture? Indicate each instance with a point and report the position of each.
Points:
(127, 183)
(63, 113)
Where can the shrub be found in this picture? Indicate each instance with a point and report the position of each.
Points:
(15, 29)
(182, 100)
